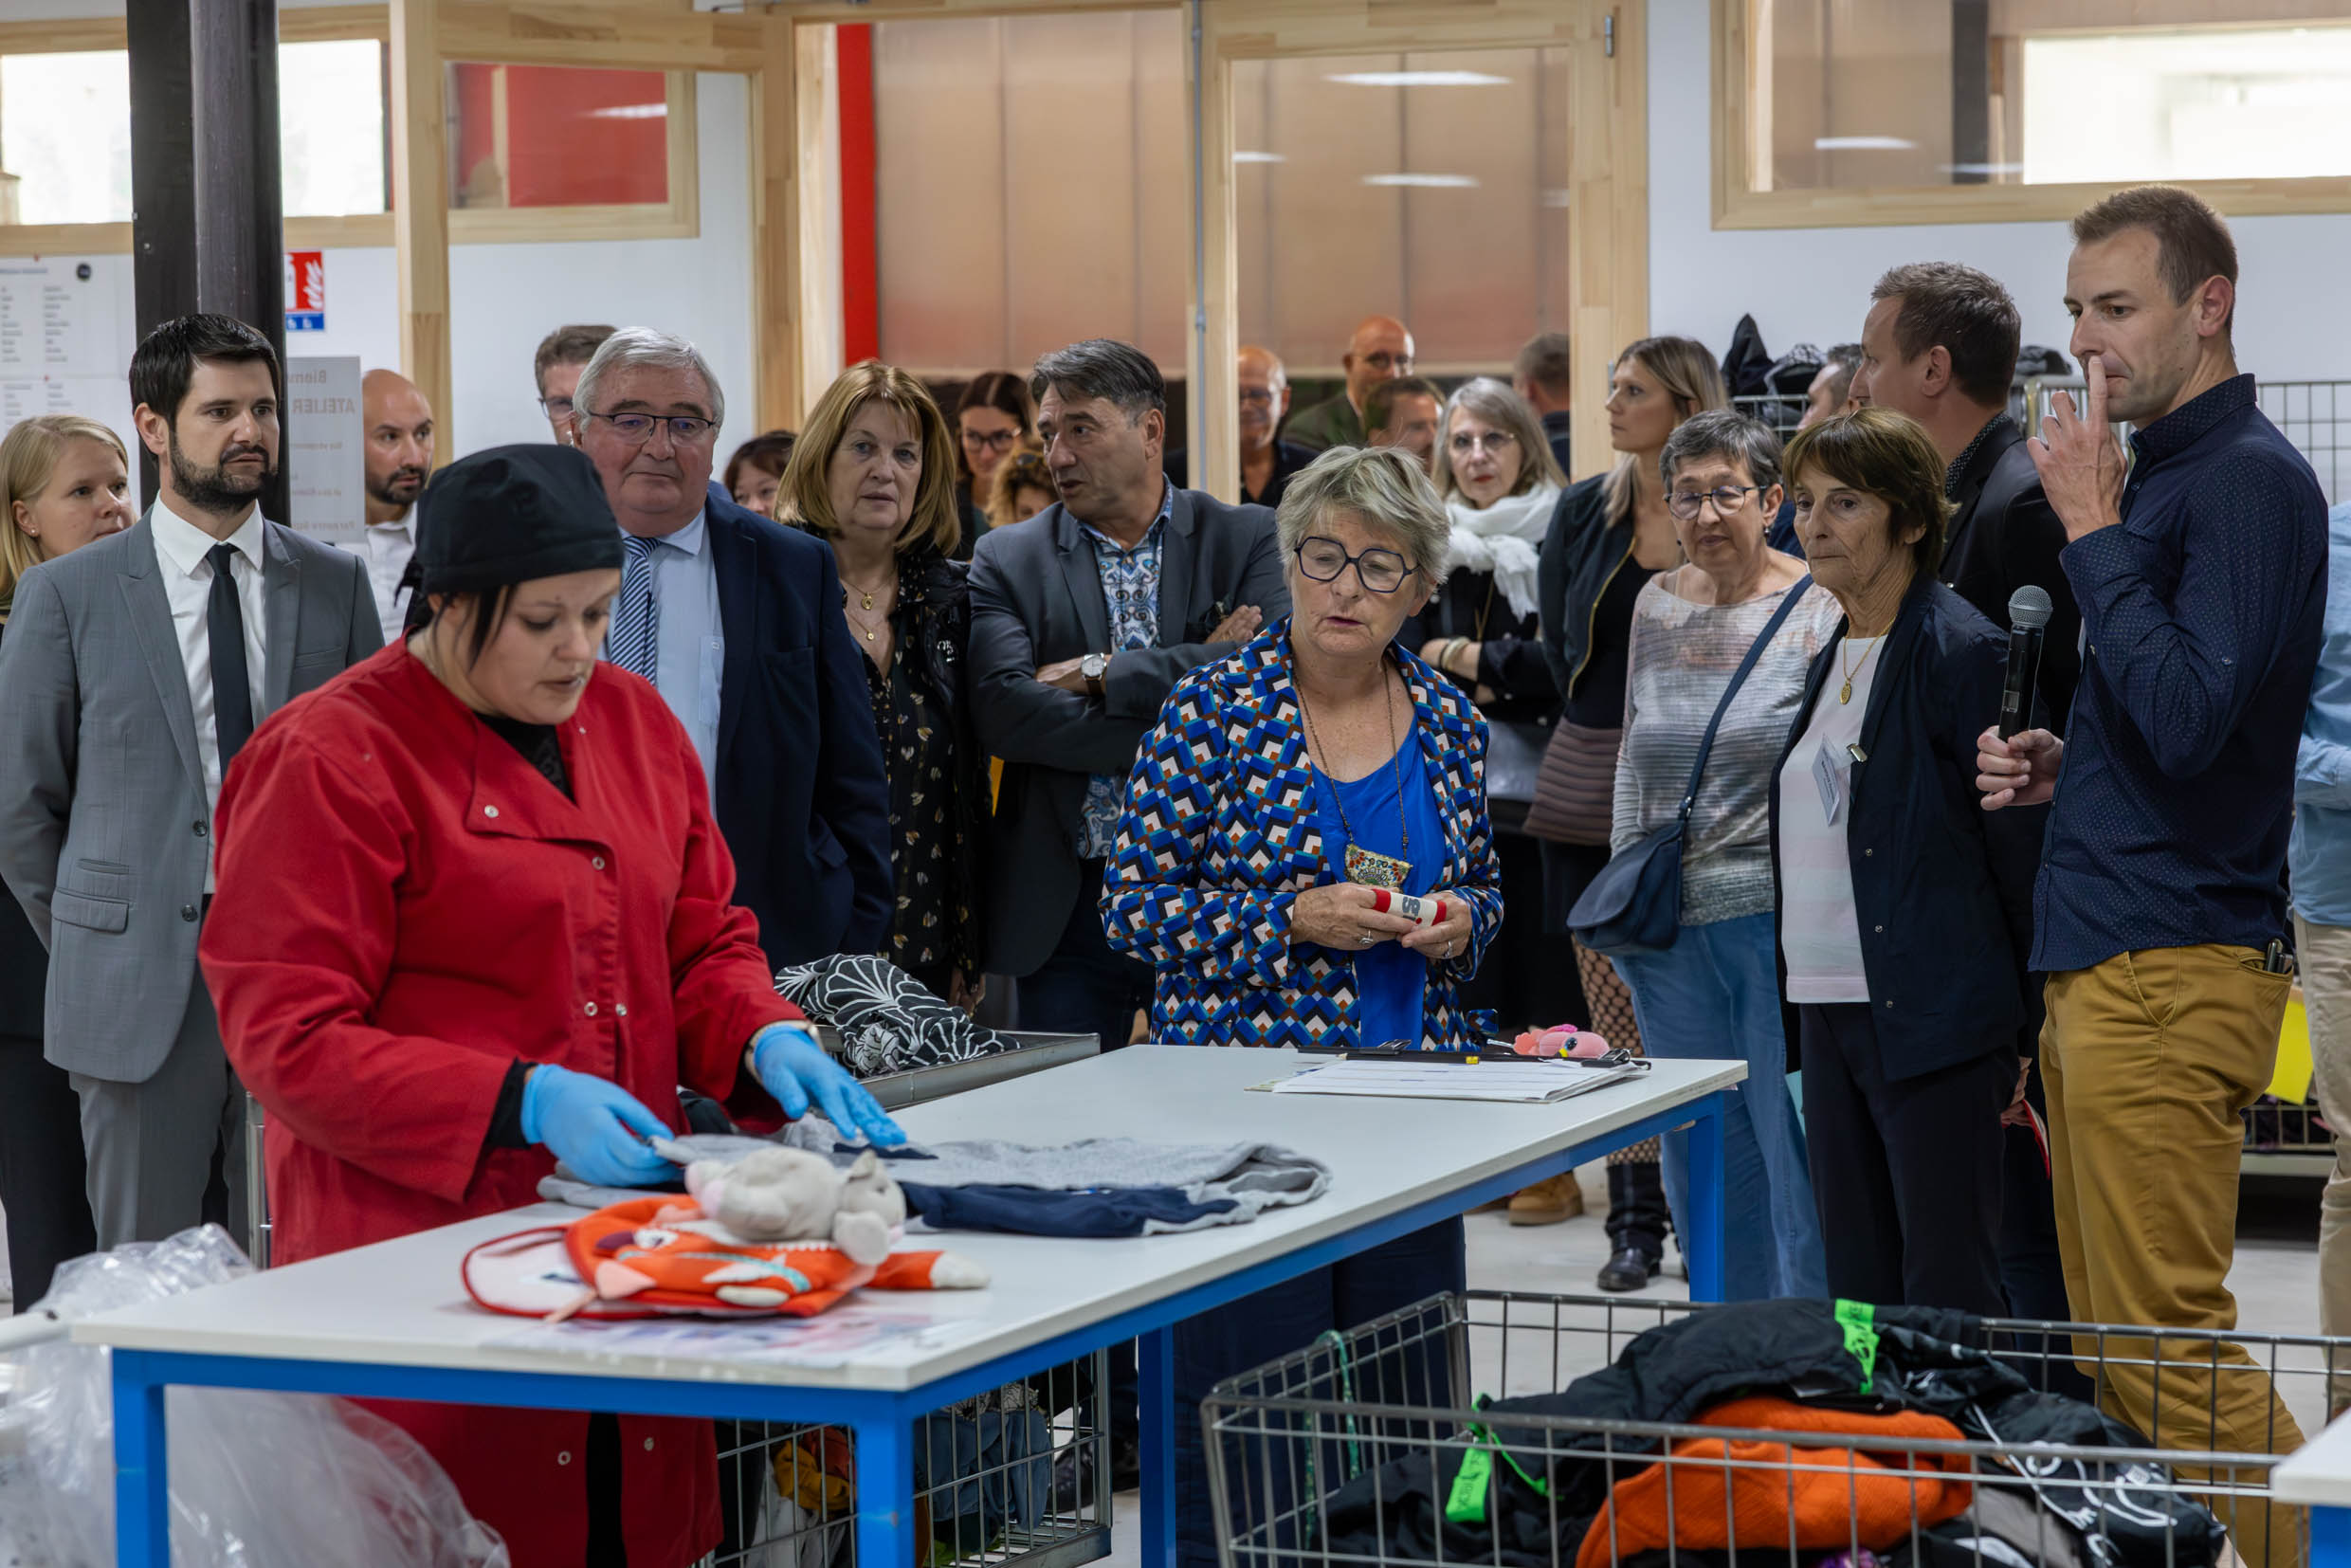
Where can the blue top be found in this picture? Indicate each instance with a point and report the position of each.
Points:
(690, 645)
(1389, 976)
(2320, 856)
(2200, 624)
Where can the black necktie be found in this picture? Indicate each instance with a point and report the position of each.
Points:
(232, 692)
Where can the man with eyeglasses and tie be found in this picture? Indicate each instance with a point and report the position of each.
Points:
(133, 672)
(1381, 350)
(737, 621)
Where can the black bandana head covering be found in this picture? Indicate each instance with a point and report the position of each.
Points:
(511, 515)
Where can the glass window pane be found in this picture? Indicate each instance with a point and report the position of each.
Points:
(331, 127)
(1445, 205)
(1000, 141)
(65, 138)
(65, 133)
(556, 135)
(1859, 94)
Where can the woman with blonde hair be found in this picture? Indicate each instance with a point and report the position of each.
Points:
(64, 482)
(874, 473)
(1609, 536)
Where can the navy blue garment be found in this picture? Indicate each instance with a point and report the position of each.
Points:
(1946, 973)
(2202, 616)
(1036, 1212)
(1390, 978)
(1780, 535)
(801, 797)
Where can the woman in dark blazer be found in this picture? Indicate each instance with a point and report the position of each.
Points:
(1904, 909)
(874, 472)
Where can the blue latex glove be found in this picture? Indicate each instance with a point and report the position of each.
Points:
(596, 1127)
(790, 1066)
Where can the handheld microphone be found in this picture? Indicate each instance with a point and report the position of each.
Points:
(2029, 610)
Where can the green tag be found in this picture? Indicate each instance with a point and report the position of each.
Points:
(1466, 1502)
(1860, 1338)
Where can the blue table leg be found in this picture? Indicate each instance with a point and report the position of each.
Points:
(142, 1473)
(1155, 1355)
(2330, 1538)
(886, 1494)
(1702, 1248)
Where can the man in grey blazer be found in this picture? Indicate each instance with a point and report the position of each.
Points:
(131, 672)
(1083, 620)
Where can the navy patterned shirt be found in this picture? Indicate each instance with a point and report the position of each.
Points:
(1130, 584)
(2201, 617)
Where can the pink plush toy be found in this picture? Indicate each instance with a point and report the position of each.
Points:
(1561, 1040)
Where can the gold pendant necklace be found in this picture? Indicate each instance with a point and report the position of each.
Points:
(1367, 868)
(1845, 693)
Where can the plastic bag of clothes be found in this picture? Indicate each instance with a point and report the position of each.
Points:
(258, 1480)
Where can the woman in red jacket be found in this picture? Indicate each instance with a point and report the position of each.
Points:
(474, 916)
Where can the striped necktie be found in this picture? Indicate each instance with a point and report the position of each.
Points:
(634, 641)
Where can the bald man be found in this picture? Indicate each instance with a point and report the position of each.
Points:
(1381, 350)
(399, 460)
(1266, 464)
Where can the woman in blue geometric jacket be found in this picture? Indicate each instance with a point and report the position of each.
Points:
(1288, 791)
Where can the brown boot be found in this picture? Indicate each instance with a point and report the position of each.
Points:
(1548, 1202)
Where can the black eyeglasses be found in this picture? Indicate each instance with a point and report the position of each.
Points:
(1726, 497)
(994, 440)
(1380, 570)
(637, 429)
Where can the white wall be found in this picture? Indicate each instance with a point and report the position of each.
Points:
(505, 298)
(1812, 284)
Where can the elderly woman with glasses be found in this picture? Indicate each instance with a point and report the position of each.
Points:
(1296, 803)
(1715, 991)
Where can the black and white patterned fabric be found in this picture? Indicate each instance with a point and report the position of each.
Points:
(888, 1022)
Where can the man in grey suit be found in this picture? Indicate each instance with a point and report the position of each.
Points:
(1083, 620)
(131, 672)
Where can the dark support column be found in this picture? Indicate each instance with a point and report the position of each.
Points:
(1971, 91)
(208, 226)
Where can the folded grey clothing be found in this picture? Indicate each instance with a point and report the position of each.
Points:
(1223, 1184)
(888, 1022)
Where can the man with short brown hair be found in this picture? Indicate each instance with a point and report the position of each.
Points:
(1405, 413)
(2159, 914)
(1544, 374)
(562, 354)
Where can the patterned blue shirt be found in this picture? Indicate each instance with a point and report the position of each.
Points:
(1130, 584)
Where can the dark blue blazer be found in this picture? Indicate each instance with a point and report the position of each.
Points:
(1942, 886)
(801, 797)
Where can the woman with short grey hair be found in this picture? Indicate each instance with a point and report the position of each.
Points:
(1718, 984)
(1304, 859)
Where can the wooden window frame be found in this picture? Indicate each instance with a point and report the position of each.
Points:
(1738, 205)
(680, 218)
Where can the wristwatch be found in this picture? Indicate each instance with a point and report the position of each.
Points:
(1094, 667)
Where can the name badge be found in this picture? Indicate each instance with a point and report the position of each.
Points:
(1833, 780)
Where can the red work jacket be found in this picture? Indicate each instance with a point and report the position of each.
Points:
(405, 906)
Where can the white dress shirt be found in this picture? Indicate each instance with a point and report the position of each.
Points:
(180, 551)
(690, 645)
(389, 547)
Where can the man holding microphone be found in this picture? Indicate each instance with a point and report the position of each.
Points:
(2159, 916)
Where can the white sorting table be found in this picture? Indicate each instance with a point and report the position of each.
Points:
(2318, 1477)
(391, 1321)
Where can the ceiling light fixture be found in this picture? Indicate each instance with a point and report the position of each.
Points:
(1863, 144)
(631, 111)
(1419, 79)
(1426, 182)
(1258, 157)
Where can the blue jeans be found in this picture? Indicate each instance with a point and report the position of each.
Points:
(1715, 992)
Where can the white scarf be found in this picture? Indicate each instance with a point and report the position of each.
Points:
(1505, 539)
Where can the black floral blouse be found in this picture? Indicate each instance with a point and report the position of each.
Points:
(935, 935)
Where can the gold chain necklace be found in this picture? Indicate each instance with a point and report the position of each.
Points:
(1845, 693)
(1365, 867)
(866, 596)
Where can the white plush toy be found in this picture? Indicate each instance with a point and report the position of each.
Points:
(791, 1194)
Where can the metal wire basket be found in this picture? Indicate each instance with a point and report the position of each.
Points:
(1019, 1475)
(1311, 1457)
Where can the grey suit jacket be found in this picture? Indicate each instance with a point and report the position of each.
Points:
(103, 822)
(1037, 599)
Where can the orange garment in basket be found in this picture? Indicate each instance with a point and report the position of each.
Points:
(1839, 1497)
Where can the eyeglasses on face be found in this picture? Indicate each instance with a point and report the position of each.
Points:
(637, 429)
(1465, 442)
(1726, 497)
(1380, 570)
(558, 408)
(1257, 396)
(990, 441)
(1384, 362)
